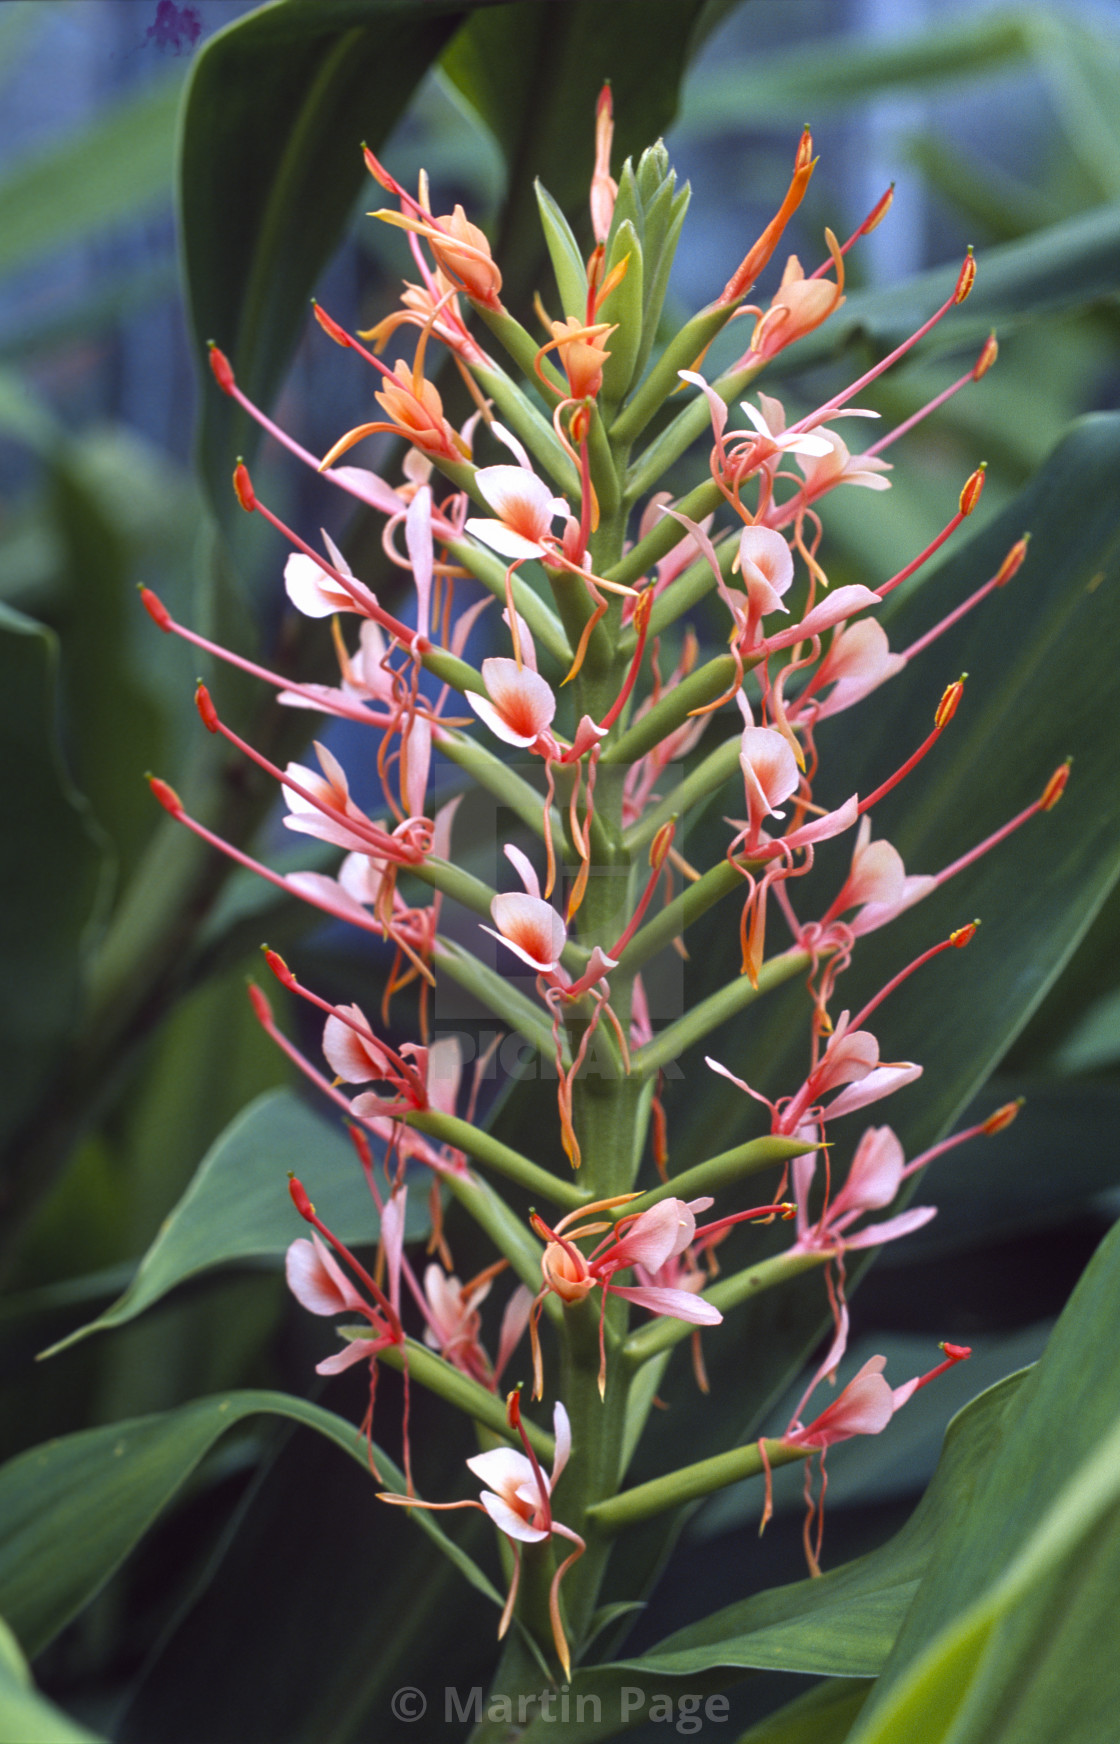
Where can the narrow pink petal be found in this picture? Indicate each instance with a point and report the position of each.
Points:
(358, 1350)
(876, 1172)
(892, 1227)
(839, 605)
(524, 868)
(418, 540)
(883, 1081)
(675, 1304)
(562, 1429)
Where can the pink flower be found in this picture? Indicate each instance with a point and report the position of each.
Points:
(877, 1172)
(525, 509)
(518, 1499)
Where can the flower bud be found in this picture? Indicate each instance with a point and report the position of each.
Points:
(205, 707)
(243, 486)
(974, 484)
(155, 608)
(1013, 562)
(965, 279)
(989, 351)
(166, 795)
(1055, 787)
(220, 365)
(1001, 1118)
(950, 702)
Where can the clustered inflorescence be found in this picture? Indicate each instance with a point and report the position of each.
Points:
(563, 530)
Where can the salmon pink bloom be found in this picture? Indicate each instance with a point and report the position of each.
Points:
(453, 1321)
(320, 1285)
(865, 1407)
(518, 1498)
(524, 510)
(799, 305)
(877, 1172)
(526, 923)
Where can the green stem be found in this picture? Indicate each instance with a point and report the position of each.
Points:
(689, 1484)
(530, 423)
(490, 572)
(668, 532)
(511, 789)
(661, 1334)
(715, 679)
(725, 1169)
(506, 1001)
(708, 777)
(677, 1037)
(668, 446)
(458, 1389)
(719, 881)
(492, 1154)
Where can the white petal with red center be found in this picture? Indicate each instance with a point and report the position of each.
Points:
(766, 565)
(311, 590)
(769, 771)
(522, 698)
(531, 927)
(502, 1468)
(507, 1520)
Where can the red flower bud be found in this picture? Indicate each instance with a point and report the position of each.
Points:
(220, 365)
(155, 608)
(243, 486)
(166, 795)
(206, 709)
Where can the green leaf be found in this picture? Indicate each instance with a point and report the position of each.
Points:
(824, 1716)
(25, 1714)
(1004, 1640)
(255, 242)
(819, 78)
(1064, 266)
(71, 1510)
(533, 73)
(237, 1207)
(108, 173)
(50, 868)
(840, 1625)
(843, 1623)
